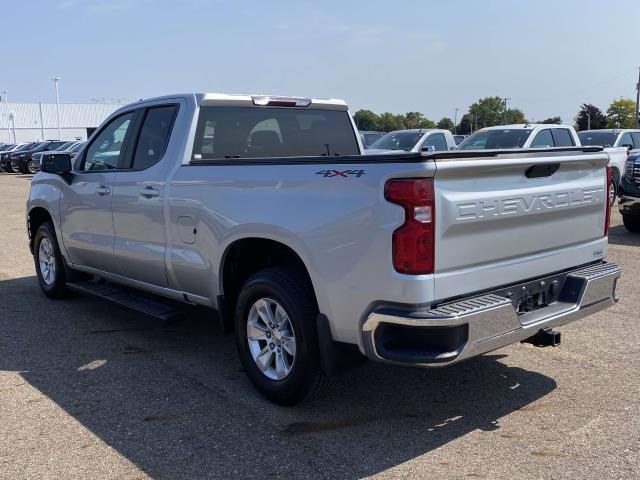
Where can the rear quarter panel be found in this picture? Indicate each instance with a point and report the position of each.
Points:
(340, 226)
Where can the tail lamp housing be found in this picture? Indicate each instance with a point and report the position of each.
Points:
(607, 218)
(414, 241)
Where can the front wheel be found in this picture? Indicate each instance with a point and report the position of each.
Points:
(49, 263)
(30, 168)
(276, 336)
(631, 222)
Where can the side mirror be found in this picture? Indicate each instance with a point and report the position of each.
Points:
(428, 148)
(628, 146)
(57, 164)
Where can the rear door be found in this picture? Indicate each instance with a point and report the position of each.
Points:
(138, 197)
(499, 222)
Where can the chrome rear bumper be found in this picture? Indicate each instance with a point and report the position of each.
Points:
(472, 326)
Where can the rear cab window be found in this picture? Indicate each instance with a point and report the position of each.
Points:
(227, 133)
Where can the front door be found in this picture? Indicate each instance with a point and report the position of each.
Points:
(86, 203)
(138, 198)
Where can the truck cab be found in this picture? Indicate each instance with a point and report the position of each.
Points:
(413, 140)
(528, 135)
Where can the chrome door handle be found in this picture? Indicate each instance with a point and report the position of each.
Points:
(102, 190)
(149, 192)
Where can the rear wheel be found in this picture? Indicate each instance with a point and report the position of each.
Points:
(49, 263)
(631, 222)
(276, 336)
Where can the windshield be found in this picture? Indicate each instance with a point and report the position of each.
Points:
(248, 132)
(27, 146)
(397, 141)
(602, 139)
(496, 139)
(62, 147)
(76, 147)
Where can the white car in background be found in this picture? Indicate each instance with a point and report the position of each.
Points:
(618, 143)
(413, 140)
(529, 135)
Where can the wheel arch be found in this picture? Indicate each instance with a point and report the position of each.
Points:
(36, 216)
(245, 256)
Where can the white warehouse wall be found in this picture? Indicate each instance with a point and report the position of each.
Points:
(37, 120)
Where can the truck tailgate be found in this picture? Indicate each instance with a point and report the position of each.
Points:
(510, 217)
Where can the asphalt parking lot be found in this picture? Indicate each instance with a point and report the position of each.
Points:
(91, 390)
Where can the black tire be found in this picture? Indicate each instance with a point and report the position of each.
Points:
(306, 379)
(55, 288)
(631, 222)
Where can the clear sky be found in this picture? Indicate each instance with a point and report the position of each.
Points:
(548, 56)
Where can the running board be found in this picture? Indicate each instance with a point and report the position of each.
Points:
(127, 298)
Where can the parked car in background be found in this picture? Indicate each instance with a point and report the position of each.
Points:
(459, 138)
(413, 140)
(5, 157)
(369, 136)
(627, 138)
(69, 149)
(618, 143)
(521, 136)
(316, 256)
(630, 193)
(21, 161)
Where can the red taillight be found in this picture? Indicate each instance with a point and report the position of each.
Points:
(414, 241)
(607, 217)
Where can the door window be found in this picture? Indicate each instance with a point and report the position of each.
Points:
(437, 141)
(636, 139)
(563, 137)
(626, 139)
(542, 139)
(107, 150)
(154, 136)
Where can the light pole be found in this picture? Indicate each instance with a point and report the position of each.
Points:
(6, 111)
(505, 110)
(455, 120)
(55, 81)
(588, 121)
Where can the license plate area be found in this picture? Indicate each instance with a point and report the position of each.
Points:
(534, 295)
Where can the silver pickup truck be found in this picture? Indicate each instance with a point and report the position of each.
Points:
(264, 209)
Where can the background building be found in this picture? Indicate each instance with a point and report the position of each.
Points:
(27, 122)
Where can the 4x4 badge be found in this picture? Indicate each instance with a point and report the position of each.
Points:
(337, 173)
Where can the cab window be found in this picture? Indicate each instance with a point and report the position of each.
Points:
(436, 140)
(107, 150)
(563, 137)
(542, 139)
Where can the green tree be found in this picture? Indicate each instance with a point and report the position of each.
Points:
(490, 111)
(515, 115)
(366, 120)
(552, 120)
(426, 123)
(621, 113)
(466, 125)
(598, 118)
(413, 119)
(446, 123)
(391, 121)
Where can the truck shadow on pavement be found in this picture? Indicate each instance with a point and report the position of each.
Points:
(172, 399)
(619, 235)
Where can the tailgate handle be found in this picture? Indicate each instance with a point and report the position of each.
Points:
(542, 170)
